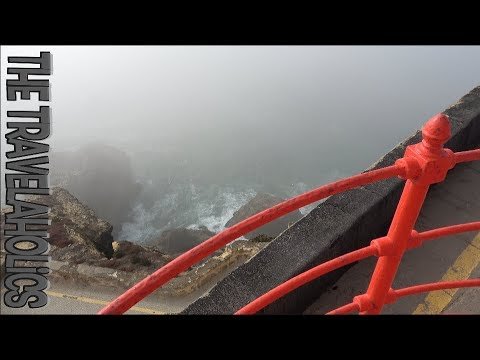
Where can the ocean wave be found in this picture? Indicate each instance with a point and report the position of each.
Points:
(188, 206)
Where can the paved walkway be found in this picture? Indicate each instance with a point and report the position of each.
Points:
(69, 299)
(455, 201)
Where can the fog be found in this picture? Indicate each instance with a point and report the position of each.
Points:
(278, 119)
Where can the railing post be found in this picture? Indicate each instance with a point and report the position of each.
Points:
(425, 163)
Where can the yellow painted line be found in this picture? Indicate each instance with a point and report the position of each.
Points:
(99, 302)
(436, 301)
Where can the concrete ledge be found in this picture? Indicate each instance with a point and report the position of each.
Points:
(342, 223)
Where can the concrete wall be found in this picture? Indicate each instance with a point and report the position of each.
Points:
(342, 223)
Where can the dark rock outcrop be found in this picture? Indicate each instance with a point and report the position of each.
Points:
(258, 203)
(78, 236)
(177, 241)
(131, 257)
(76, 233)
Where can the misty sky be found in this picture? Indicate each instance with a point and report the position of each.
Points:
(337, 108)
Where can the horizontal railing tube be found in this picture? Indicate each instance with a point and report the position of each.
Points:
(305, 277)
(465, 156)
(441, 285)
(447, 230)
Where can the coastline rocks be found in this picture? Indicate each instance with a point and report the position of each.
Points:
(75, 225)
(179, 240)
(78, 236)
(83, 251)
(258, 203)
(131, 257)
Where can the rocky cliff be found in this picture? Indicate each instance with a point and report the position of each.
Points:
(177, 241)
(83, 250)
(79, 236)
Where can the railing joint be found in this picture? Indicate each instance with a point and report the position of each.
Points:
(391, 296)
(364, 302)
(384, 246)
(415, 240)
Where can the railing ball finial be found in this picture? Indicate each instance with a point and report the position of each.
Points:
(436, 132)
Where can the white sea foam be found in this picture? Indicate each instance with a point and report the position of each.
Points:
(139, 230)
(188, 207)
(230, 202)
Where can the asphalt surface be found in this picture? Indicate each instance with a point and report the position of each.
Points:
(68, 299)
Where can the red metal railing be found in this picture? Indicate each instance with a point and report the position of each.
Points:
(423, 164)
